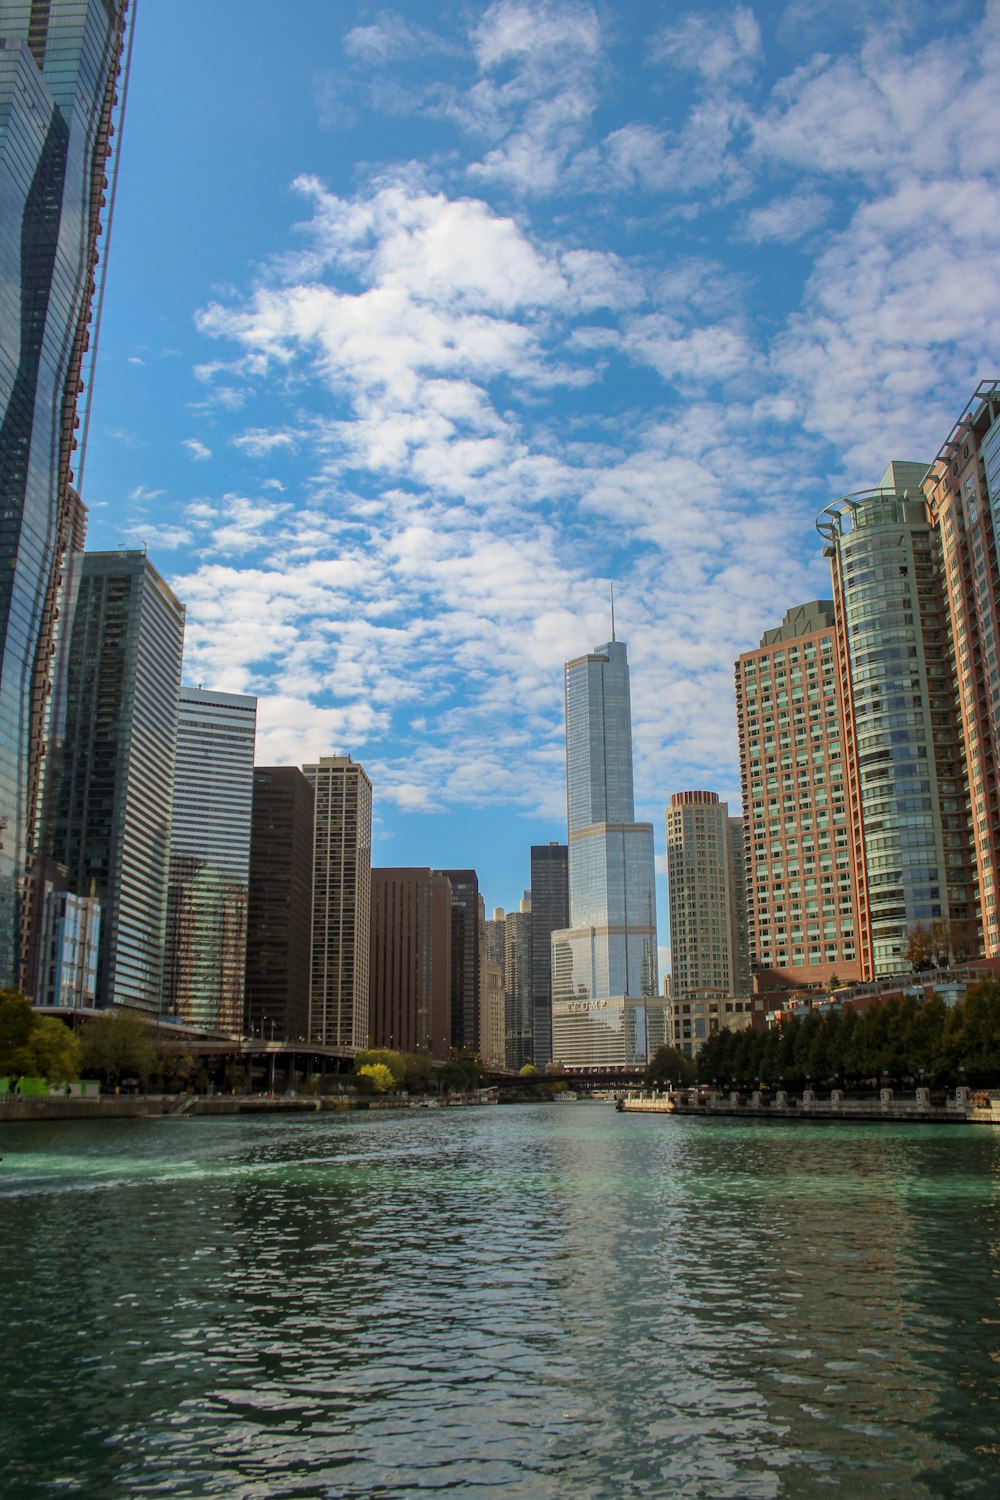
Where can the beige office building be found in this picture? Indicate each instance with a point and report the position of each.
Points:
(341, 923)
(705, 896)
(800, 882)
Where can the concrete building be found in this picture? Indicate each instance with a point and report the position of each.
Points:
(549, 913)
(702, 881)
(112, 797)
(58, 65)
(341, 908)
(205, 969)
(518, 999)
(604, 964)
(907, 784)
(410, 971)
(467, 942)
(691, 1021)
(800, 875)
(493, 1045)
(279, 910)
(962, 487)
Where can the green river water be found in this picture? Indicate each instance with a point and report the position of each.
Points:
(553, 1301)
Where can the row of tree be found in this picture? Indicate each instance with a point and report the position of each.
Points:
(906, 1041)
(380, 1070)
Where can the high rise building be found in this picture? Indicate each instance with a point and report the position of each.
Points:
(800, 875)
(58, 65)
(549, 913)
(410, 1005)
(743, 984)
(341, 907)
(704, 950)
(963, 495)
(906, 775)
(110, 806)
(205, 971)
(604, 964)
(518, 1000)
(279, 912)
(467, 941)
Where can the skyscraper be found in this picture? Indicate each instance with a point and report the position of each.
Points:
(907, 779)
(604, 964)
(410, 1007)
(205, 974)
(700, 880)
(518, 1005)
(549, 913)
(114, 769)
(279, 917)
(467, 941)
(963, 494)
(58, 64)
(800, 875)
(341, 910)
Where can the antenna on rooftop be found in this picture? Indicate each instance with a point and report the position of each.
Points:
(612, 611)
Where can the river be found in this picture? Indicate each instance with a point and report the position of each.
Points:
(551, 1301)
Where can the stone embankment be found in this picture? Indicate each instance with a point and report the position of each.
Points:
(141, 1106)
(920, 1107)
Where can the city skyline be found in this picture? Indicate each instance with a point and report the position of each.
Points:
(571, 294)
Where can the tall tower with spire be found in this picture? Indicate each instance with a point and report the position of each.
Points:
(604, 963)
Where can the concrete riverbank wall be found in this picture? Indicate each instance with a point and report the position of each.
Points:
(143, 1106)
(963, 1107)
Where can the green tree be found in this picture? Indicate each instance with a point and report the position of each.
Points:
(52, 1051)
(17, 1021)
(668, 1065)
(119, 1045)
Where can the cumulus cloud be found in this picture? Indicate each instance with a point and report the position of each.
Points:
(196, 450)
(717, 46)
(483, 413)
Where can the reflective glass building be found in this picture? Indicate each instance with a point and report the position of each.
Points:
(604, 962)
(210, 859)
(109, 812)
(58, 63)
(906, 774)
(549, 913)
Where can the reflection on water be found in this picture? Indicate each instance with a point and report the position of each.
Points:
(522, 1301)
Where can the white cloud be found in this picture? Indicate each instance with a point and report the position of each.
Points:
(392, 37)
(789, 218)
(196, 450)
(718, 47)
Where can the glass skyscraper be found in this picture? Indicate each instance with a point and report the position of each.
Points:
(58, 64)
(210, 859)
(604, 963)
(109, 812)
(907, 784)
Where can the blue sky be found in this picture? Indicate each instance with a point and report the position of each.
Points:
(425, 322)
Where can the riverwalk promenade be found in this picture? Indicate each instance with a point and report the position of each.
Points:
(922, 1106)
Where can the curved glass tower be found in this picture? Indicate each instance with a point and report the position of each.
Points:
(605, 961)
(907, 784)
(58, 64)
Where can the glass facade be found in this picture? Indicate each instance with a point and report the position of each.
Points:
(210, 859)
(58, 62)
(904, 759)
(114, 770)
(606, 956)
(549, 913)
